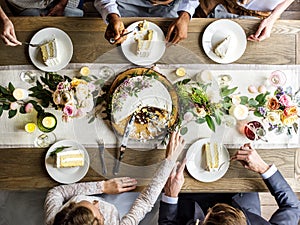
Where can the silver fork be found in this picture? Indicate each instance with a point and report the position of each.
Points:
(101, 152)
(112, 40)
(32, 45)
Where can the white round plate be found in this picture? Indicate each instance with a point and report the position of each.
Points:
(158, 49)
(196, 162)
(66, 175)
(64, 48)
(216, 32)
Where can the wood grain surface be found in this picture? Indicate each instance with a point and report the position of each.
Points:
(24, 168)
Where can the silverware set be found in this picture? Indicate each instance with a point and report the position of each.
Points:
(101, 152)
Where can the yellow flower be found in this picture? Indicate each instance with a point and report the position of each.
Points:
(288, 120)
(290, 111)
(75, 82)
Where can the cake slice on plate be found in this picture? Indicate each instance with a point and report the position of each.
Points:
(49, 53)
(70, 158)
(144, 38)
(211, 156)
(222, 48)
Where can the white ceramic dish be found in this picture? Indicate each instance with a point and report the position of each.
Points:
(218, 31)
(64, 48)
(158, 47)
(196, 164)
(66, 175)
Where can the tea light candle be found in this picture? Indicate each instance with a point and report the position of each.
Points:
(20, 94)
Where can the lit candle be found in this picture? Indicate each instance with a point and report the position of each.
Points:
(20, 94)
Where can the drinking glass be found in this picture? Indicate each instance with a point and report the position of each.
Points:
(29, 77)
(254, 131)
(46, 122)
(106, 71)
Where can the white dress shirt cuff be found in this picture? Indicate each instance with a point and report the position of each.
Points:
(188, 6)
(270, 172)
(169, 200)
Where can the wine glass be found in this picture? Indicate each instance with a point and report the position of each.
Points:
(29, 77)
(254, 131)
(46, 122)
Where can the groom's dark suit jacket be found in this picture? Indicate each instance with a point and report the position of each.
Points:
(288, 212)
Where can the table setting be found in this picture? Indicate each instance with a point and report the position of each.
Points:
(134, 106)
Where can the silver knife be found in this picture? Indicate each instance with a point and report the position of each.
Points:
(101, 151)
(124, 144)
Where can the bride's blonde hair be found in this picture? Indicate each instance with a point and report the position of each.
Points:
(77, 215)
(224, 214)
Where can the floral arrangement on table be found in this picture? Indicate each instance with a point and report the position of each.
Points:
(201, 103)
(74, 97)
(279, 110)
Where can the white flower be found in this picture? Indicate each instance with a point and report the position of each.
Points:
(213, 95)
(236, 100)
(199, 112)
(87, 105)
(273, 117)
(240, 112)
(82, 92)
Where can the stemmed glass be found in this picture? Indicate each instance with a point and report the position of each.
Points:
(46, 122)
(254, 131)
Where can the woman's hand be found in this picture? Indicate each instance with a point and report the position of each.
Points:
(179, 28)
(115, 28)
(119, 185)
(264, 30)
(175, 146)
(8, 34)
(250, 159)
(175, 180)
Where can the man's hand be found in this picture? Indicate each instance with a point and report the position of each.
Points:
(119, 185)
(179, 28)
(58, 9)
(8, 34)
(175, 146)
(264, 30)
(115, 28)
(175, 181)
(250, 159)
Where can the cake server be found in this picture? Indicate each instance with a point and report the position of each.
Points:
(124, 142)
(101, 151)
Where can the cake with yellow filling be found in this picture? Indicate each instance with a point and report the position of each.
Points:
(211, 156)
(144, 38)
(70, 158)
(49, 53)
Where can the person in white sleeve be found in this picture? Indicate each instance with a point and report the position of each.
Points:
(112, 11)
(73, 204)
(230, 208)
(267, 10)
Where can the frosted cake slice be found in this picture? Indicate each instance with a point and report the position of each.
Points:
(49, 53)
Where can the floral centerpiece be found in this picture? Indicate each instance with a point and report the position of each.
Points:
(74, 97)
(278, 110)
(201, 103)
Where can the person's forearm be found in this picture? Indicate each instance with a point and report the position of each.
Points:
(106, 7)
(63, 3)
(280, 8)
(3, 16)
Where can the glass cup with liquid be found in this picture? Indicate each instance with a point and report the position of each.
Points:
(254, 131)
(46, 122)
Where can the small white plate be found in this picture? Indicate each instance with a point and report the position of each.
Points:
(158, 48)
(66, 175)
(64, 48)
(216, 32)
(196, 164)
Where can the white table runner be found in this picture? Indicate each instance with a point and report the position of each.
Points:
(12, 132)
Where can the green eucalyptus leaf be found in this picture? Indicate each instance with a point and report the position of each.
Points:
(244, 100)
(210, 123)
(256, 113)
(6, 106)
(92, 119)
(59, 149)
(11, 87)
(183, 130)
(12, 113)
(4, 90)
(200, 120)
(225, 91)
(253, 103)
(22, 109)
(1, 110)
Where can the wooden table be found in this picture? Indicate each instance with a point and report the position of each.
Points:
(89, 43)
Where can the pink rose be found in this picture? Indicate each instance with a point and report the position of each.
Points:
(28, 108)
(69, 110)
(285, 100)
